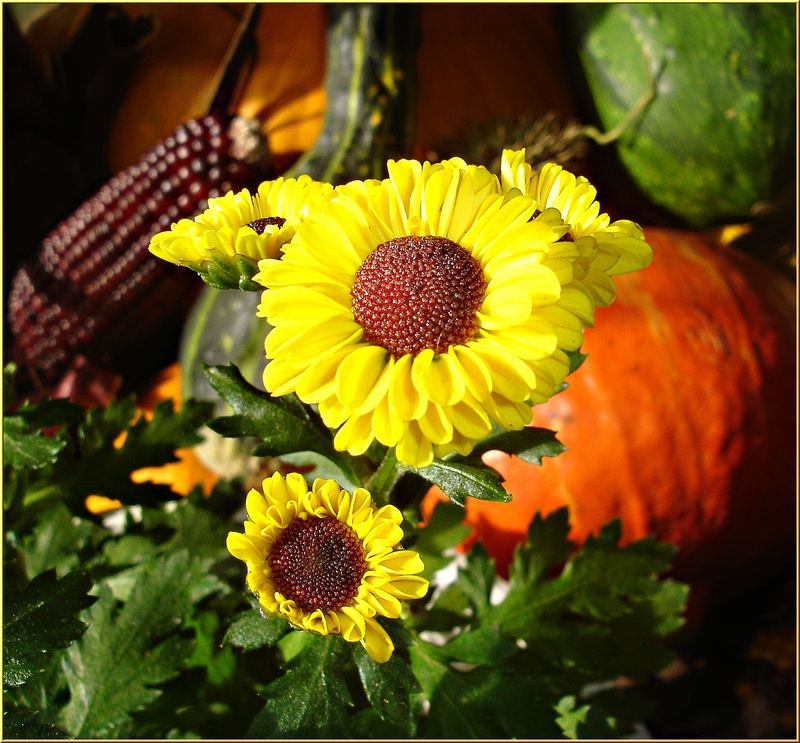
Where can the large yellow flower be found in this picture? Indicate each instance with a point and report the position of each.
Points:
(605, 248)
(226, 241)
(422, 309)
(326, 560)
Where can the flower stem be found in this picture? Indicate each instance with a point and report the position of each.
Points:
(385, 478)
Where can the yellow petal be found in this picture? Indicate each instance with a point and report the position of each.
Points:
(401, 561)
(355, 435)
(413, 448)
(405, 400)
(438, 377)
(376, 642)
(363, 378)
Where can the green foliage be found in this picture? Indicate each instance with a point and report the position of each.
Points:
(461, 481)
(81, 457)
(283, 424)
(530, 444)
(174, 649)
(250, 630)
(40, 618)
(388, 688)
(444, 530)
(22, 725)
(311, 698)
(25, 448)
(130, 650)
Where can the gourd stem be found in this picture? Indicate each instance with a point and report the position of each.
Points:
(604, 138)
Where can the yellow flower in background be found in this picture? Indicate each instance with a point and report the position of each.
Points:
(327, 560)
(422, 309)
(227, 240)
(606, 248)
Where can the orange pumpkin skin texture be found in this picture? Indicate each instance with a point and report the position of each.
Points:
(681, 421)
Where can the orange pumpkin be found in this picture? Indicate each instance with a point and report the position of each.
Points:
(681, 420)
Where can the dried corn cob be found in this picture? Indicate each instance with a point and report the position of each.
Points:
(94, 289)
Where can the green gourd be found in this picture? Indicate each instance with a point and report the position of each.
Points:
(716, 141)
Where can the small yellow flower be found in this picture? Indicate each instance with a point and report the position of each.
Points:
(327, 560)
(605, 248)
(422, 309)
(226, 241)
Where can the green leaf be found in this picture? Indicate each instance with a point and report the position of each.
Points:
(584, 721)
(49, 413)
(546, 546)
(250, 630)
(283, 424)
(41, 618)
(59, 540)
(127, 652)
(530, 444)
(93, 465)
(485, 645)
(25, 449)
(461, 703)
(24, 725)
(388, 687)
(311, 698)
(220, 666)
(476, 580)
(576, 359)
(444, 530)
(598, 582)
(129, 550)
(461, 481)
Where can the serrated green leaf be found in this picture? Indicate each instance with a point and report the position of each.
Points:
(530, 444)
(25, 449)
(444, 530)
(283, 424)
(598, 581)
(250, 630)
(41, 618)
(126, 653)
(311, 698)
(583, 721)
(546, 546)
(461, 481)
(668, 603)
(388, 687)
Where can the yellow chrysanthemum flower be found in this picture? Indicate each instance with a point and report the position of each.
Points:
(421, 309)
(326, 560)
(605, 248)
(226, 241)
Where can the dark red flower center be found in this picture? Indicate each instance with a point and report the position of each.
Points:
(318, 563)
(259, 225)
(413, 293)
